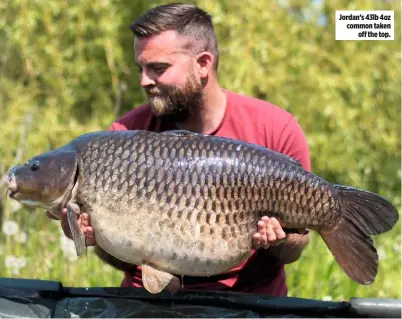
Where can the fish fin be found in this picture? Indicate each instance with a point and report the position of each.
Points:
(156, 280)
(353, 250)
(179, 133)
(363, 214)
(372, 213)
(79, 239)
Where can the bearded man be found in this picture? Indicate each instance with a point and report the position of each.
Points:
(177, 55)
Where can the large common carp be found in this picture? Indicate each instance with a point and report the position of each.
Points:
(188, 204)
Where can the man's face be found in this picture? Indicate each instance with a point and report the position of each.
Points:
(168, 75)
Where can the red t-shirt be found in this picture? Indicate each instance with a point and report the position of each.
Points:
(254, 121)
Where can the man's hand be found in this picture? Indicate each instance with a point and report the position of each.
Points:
(83, 221)
(270, 233)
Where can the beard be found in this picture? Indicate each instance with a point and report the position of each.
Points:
(172, 104)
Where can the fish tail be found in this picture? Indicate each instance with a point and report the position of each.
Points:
(363, 214)
(371, 212)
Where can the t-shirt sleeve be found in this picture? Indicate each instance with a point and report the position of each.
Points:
(137, 119)
(293, 143)
(116, 126)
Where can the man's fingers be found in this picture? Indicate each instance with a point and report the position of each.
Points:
(84, 220)
(89, 236)
(87, 230)
(257, 240)
(263, 227)
(277, 228)
(280, 235)
(269, 234)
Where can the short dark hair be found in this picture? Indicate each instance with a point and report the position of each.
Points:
(187, 19)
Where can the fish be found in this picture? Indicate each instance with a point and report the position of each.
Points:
(185, 203)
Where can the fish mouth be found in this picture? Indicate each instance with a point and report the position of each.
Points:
(10, 193)
(12, 189)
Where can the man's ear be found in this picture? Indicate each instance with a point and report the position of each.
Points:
(205, 62)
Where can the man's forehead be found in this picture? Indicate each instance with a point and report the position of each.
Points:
(166, 45)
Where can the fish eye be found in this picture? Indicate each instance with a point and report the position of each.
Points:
(35, 165)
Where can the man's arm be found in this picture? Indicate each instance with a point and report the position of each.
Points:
(112, 261)
(291, 250)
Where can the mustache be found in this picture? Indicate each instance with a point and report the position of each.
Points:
(153, 91)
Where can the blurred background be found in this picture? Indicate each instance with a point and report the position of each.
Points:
(67, 67)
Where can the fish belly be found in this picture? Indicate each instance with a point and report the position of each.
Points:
(176, 245)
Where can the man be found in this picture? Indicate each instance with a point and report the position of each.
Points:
(177, 56)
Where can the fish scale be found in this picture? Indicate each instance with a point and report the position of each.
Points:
(144, 167)
(188, 204)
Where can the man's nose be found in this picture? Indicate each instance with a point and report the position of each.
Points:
(146, 80)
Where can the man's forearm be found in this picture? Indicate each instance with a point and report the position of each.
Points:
(290, 250)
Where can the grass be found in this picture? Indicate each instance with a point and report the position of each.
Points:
(46, 254)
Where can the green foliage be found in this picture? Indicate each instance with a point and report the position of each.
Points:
(67, 67)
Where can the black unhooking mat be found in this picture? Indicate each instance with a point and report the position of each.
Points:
(21, 298)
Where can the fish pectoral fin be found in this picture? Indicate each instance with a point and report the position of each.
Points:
(79, 239)
(156, 280)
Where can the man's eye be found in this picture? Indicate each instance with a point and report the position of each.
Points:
(160, 69)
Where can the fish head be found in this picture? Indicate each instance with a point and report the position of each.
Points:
(44, 180)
